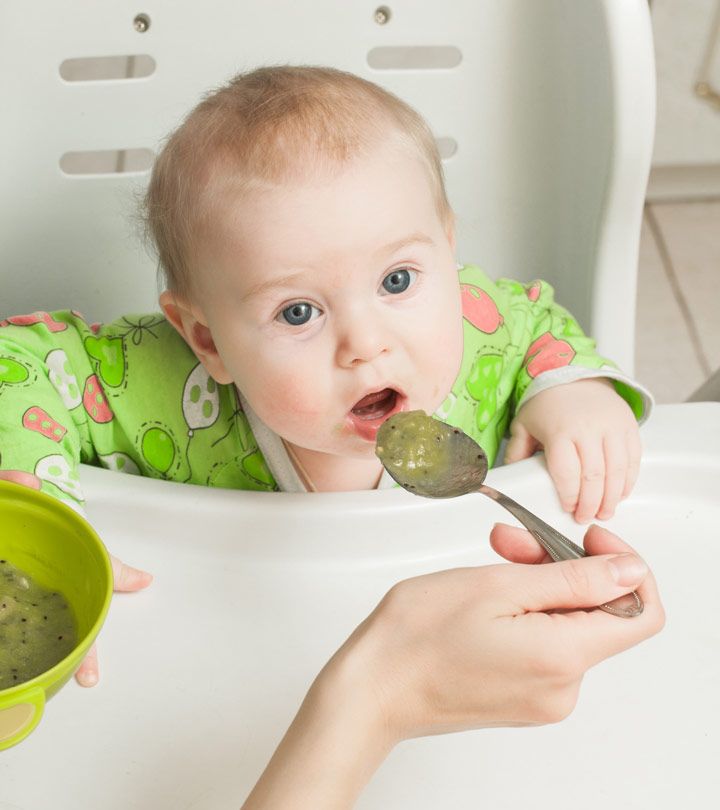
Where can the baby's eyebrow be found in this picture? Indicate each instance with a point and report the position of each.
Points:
(270, 284)
(288, 280)
(414, 238)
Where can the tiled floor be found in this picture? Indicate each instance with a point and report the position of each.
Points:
(678, 314)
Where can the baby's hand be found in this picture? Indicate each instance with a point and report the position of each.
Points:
(591, 442)
(125, 578)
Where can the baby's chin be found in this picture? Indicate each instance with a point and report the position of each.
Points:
(349, 444)
(342, 442)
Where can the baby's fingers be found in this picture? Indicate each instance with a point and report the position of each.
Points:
(592, 480)
(564, 467)
(127, 578)
(87, 673)
(634, 453)
(615, 475)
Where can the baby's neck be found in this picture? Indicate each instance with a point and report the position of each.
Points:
(328, 473)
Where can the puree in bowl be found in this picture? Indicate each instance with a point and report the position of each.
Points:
(36, 627)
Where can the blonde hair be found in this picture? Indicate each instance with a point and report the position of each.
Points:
(266, 126)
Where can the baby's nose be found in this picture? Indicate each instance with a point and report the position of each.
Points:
(361, 340)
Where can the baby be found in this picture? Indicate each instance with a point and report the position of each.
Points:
(307, 243)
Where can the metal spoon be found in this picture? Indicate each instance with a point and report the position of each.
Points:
(432, 459)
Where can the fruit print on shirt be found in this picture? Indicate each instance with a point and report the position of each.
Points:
(13, 372)
(55, 469)
(548, 353)
(41, 422)
(158, 447)
(119, 462)
(200, 400)
(482, 384)
(33, 318)
(63, 380)
(94, 401)
(109, 356)
(533, 291)
(480, 309)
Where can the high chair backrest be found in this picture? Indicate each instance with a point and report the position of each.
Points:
(544, 112)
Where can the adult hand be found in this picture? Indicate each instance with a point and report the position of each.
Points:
(477, 647)
(591, 442)
(458, 649)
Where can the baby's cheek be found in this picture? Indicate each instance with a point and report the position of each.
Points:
(442, 359)
(305, 393)
(289, 399)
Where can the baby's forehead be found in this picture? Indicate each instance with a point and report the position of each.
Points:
(291, 160)
(233, 181)
(384, 170)
(319, 209)
(257, 132)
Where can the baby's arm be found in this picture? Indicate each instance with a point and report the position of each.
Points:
(125, 578)
(574, 404)
(591, 442)
(48, 390)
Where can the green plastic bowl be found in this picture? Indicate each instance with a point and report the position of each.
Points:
(60, 551)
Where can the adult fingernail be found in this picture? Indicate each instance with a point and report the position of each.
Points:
(627, 569)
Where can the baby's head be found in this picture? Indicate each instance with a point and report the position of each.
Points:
(306, 239)
(263, 129)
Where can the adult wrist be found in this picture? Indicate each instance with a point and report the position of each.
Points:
(334, 745)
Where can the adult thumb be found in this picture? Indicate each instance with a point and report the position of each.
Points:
(583, 583)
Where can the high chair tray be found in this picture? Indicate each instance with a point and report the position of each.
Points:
(202, 672)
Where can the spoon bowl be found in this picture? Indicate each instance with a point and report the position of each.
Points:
(434, 460)
(428, 457)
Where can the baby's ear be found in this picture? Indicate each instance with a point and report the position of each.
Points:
(190, 323)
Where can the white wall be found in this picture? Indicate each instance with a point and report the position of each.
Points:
(686, 158)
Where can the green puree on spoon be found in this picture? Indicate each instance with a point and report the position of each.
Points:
(429, 458)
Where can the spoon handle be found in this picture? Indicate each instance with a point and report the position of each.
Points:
(560, 547)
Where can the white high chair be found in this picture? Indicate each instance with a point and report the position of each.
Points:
(548, 105)
(546, 110)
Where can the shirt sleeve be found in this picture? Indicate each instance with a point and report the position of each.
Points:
(517, 340)
(128, 395)
(48, 392)
(557, 351)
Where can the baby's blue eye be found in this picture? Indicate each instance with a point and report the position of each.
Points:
(299, 313)
(398, 281)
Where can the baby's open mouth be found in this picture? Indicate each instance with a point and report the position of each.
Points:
(373, 409)
(375, 405)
